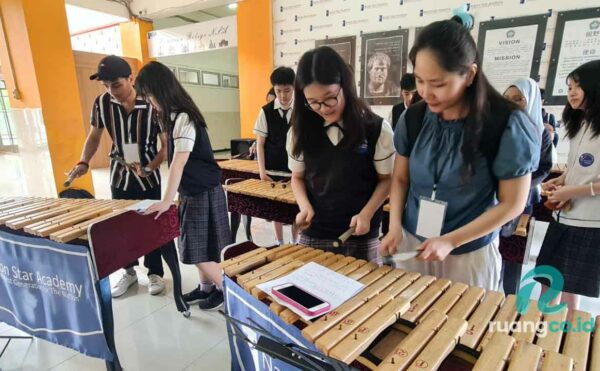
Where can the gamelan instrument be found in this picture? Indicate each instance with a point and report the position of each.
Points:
(240, 169)
(407, 321)
(244, 169)
(267, 200)
(114, 233)
(120, 235)
(62, 219)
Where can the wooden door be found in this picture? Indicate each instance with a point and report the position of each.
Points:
(86, 64)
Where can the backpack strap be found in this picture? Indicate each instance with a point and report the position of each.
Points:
(493, 131)
(414, 122)
(490, 137)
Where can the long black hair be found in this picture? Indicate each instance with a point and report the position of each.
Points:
(157, 80)
(324, 66)
(455, 50)
(588, 77)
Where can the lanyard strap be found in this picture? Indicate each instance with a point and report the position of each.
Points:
(436, 174)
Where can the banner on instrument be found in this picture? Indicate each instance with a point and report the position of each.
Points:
(245, 308)
(47, 289)
(384, 59)
(511, 48)
(576, 42)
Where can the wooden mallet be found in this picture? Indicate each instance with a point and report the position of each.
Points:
(339, 242)
(69, 180)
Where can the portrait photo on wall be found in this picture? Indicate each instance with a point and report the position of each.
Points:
(383, 61)
(344, 46)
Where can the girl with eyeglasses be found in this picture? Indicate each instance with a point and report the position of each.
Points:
(341, 156)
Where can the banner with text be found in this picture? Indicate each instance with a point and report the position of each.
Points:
(198, 37)
(47, 290)
(247, 309)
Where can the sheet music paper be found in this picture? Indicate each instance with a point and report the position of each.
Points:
(320, 281)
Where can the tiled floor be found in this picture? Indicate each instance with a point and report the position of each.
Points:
(150, 333)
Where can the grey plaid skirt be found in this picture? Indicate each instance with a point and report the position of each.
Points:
(204, 227)
(575, 253)
(360, 249)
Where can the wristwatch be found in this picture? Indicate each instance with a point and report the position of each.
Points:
(147, 169)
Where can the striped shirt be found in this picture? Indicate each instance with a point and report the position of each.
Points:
(140, 126)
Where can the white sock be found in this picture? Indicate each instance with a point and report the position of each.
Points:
(207, 286)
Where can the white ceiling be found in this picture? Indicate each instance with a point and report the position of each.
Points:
(194, 17)
(152, 9)
(82, 19)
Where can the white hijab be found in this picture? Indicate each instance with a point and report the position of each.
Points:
(531, 91)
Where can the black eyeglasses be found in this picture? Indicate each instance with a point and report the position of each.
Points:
(329, 102)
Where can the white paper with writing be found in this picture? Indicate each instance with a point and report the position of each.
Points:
(320, 281)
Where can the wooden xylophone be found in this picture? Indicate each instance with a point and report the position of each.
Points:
(244, 169)
(404, 320)
(238, 169)
(62, 219)
(248, 166)
(267, 200)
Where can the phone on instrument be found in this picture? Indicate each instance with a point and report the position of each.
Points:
(300, 299)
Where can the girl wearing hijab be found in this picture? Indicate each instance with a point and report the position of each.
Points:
(525, 93)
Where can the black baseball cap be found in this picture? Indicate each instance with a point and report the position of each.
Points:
(111, 68)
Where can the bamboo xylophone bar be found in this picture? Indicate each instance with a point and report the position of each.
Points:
(526, 357)
(496, 355)
(595, 359)
(268, 190)
(464, 314)
(556, 362)
(62, 219)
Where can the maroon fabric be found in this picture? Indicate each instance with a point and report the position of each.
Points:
(512, 248)
(262, 208)
(230, 174)
(541, 213)
(118, 241)
(238, 249)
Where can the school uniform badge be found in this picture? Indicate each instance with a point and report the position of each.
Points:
(586, 159)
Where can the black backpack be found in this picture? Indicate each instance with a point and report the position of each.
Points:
(490, 137)
(75, 193)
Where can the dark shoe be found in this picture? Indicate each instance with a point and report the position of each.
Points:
(195, 296)
(214, 301)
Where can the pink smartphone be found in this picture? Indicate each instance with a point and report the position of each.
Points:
(300, 299)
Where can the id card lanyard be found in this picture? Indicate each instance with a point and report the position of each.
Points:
(432, 211)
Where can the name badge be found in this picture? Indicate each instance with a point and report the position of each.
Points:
(431, 217)
(131, 152)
